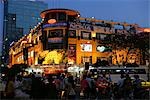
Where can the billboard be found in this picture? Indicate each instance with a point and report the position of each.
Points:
(71, 53)
(86, 47)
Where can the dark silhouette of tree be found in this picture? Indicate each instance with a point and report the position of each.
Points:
(142, 42)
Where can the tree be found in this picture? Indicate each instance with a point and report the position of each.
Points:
(143, 44)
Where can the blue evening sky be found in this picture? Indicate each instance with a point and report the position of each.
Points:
(130, 11)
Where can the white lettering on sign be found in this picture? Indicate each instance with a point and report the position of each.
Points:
(80, 26)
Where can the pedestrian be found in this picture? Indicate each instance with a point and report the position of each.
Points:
(137, 87)
(19, 94)
(85, 88)
(127, 87)
(10, 88)
(103, 88)
(51, 91)
(2, 87)
(71, 88)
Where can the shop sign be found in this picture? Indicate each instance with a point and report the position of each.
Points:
(80, 26)
(145, 84)
(55, 25)
(72, 54)
(86, 47)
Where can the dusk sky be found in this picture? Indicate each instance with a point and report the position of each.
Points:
(130, 11)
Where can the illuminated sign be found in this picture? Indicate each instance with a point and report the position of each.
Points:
(81, 26)
(103, 48)
(100, 48)
(55, 25)
(86, 47)
(72, 54)
(145, 84)
(147, 30)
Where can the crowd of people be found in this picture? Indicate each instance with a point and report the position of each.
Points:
(69, 87)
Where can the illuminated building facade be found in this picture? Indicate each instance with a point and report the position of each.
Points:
(63, 37)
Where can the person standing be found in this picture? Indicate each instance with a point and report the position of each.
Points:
(137, 87)
(127, 87)
(2, 87)
(120, 87)
(51, 91)
(71, 88)
(10, 88)
(85, 88)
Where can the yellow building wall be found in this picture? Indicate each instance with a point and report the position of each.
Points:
(79, 53)
(39, 48)
(16, 58)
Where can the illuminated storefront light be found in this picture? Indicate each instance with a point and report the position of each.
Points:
(147, 30)
(74, 69)
(93, 34)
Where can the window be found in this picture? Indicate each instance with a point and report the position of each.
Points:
(118, 26)
(53, 46)
(35, 41)
(55, 33)
(29, 54)
(55, 36)
(18, 59)
(100, 36)
(86, 59)
(22, 57)
(71, 18)
(55, 40)
(72, 33)
(85, 35)
(32, 53)
(52, 16)
(61, 16)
